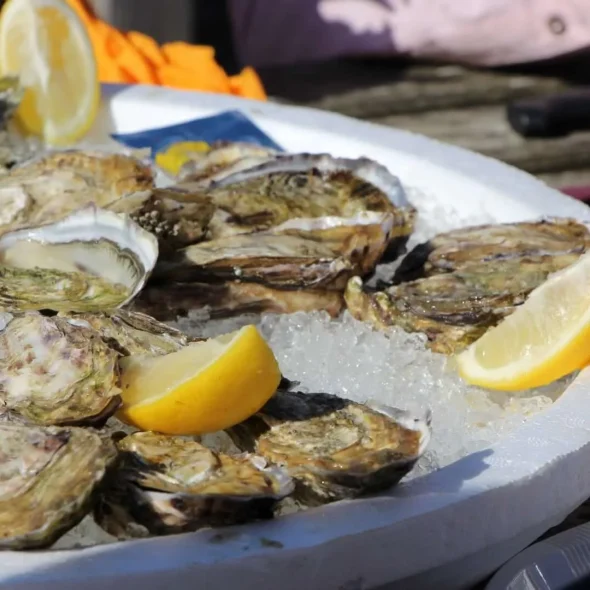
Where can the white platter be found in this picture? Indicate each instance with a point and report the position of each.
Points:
(444, 530)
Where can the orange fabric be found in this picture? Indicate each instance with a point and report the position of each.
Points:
(134, 57)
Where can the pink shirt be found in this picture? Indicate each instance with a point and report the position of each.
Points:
(482, 32)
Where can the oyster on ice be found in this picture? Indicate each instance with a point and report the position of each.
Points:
(50, 187)
(334, 448)
(248, 273)
(176, 216)
(48, 477)
(91, 260)
(56, 370)
(222, 159)
(170, 484)
(470, 279)
(320, 197)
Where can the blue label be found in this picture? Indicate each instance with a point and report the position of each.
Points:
(226, 126)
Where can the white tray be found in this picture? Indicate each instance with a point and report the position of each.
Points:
(445, 530)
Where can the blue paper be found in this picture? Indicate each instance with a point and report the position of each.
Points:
(226, 126)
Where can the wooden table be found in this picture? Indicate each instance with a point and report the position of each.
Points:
(449, 103)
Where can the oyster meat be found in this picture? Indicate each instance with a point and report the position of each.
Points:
(316, 196)
(222, 159)
(49, 187)
(48, 477)
(248, 273)
(56, 371)
(174, 215)
(173, 484)
(91, 260)
(470, 279)
(334, 448)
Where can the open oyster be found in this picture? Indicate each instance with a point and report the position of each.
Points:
(131, 333)
(174, 215)
(47, 480)
(49, 187)
(471, 279)
(222, 159)
(174, 484)
(56, 371)
(91, 260)
(321, 197)
(246, 273)
(332, 447)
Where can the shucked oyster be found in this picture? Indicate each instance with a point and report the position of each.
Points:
(54, 370)
(249, 272)
(91, 260)
(321, 197)
(472, 278)
(332, 447)
(173, 484)
(222, 159)
(47, 480)
(50, 187)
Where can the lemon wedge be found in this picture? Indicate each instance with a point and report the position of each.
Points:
(45, 44)
(546, 338)
(205, 387)
(175, 156)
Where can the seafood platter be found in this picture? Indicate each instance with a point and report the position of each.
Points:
(367, 258)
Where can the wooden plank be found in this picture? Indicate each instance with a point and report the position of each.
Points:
(486, 130)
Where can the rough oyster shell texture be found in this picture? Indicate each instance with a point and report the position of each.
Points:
(470, 279)
(47, 480)
(91, 260)
(174, 484)
(50, 187)
(332, 447)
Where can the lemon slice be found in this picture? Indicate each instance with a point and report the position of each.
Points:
(205, 387)
(45, 44)
(546, 338)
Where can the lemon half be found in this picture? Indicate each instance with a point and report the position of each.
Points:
(46, 45)
(205, 387)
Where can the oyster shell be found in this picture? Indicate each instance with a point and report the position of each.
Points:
(471, 279)
(48, 477)
(222, 159)
(174, 484)
(174, 215)
(494, 244)
(49, 187)
(131, 333)
(248, 272)
(334, 448)
(56, 371)
(316, 196)
(91, 260)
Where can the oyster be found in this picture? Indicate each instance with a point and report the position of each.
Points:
(334, 448)
(174, 484)
(47, 481)
(56, 371)
(174, 215)
(13, 147)
(471, 279)
(48, 188)
(131, 333)
(245, 273)
(222, 159)
(494, 244)
(320, 197)
(91, 260)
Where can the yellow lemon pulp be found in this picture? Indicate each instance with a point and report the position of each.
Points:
(45, 44)
(546, 338)
(172, 159)
(205, 387)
